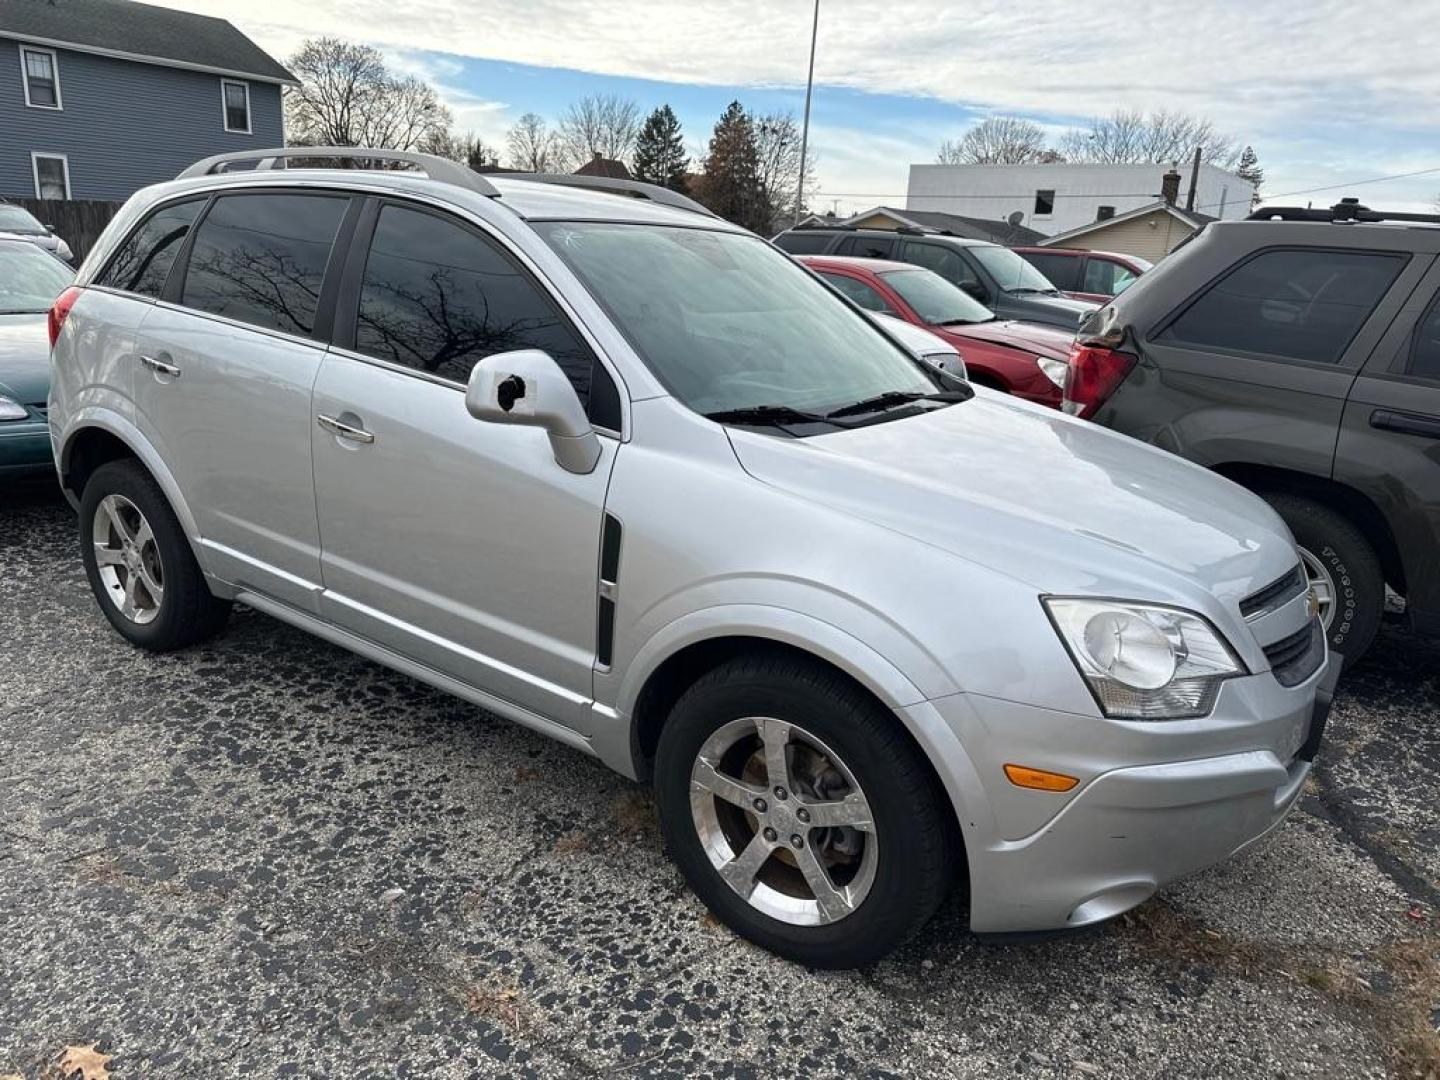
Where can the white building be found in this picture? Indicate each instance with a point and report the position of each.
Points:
(1060, 197)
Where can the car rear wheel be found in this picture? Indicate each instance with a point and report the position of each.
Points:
(1343, 570)
(800, 813)
(139, 563)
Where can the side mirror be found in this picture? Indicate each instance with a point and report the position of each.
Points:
(527, 387)
(976, 290)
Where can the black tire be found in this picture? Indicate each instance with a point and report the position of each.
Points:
(188, 612)
(916, 858)
(1352, 564)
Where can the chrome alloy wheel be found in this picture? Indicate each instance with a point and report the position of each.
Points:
(1323, 585)
(128, 561)
(783, 821)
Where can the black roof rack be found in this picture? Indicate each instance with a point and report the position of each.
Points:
(821, 225)
(634, 188)
(1346, 210)
(436, 168)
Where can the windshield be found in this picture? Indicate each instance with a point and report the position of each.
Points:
(1010, 271)
(727, 322)
(16, 219)
(30, 280)
(936, 300)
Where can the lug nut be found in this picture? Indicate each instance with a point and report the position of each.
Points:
(796, 842)
(770, 834)
(761, 806)
(780, 793)
(803, 814)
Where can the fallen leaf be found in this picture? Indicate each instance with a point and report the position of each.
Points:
(12, 1076)
(85, 1060)
(524, 774)
(1416, 913)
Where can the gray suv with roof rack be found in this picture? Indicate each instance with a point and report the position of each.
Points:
(1297, 353)
(996, 276)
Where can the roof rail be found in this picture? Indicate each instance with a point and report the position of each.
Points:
(634, 188)
(436, 168)
(1348, 209)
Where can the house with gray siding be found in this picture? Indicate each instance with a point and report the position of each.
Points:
(101, 97)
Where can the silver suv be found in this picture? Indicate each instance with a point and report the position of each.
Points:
(630, 476)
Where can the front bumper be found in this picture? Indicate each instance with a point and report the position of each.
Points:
(1130, 829)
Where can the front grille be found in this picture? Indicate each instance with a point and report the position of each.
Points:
(1275, 595)
(1295, 658)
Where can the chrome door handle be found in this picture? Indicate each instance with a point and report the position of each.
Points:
(344, 430)
(160, 367)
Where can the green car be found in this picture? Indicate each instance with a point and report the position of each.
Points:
(30, 280)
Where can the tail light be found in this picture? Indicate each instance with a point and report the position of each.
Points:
(1094, 374)
(60, 309)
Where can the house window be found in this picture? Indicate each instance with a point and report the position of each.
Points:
(52, 176)
(1104, 213)
(1044, 202)
(236, 98)
(42, 77)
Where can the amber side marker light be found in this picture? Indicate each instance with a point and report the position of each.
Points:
(1038, 779)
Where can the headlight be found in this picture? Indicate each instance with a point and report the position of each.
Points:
(12, 410)
(1144, 662)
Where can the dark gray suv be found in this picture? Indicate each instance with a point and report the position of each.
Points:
(1298, 354)
(996, 276)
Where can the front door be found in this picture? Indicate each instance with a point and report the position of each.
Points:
(457, 543)
(1390, 444)
(224, 371)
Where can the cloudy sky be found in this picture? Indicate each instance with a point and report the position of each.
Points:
(1328, 93)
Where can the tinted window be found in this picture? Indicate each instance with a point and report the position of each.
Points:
(862, 294)
(143, 261)
(1305, 305)
(943, 260)
(868, 247)
(1063, 271)
(261, 259)
(1425, 353)
(803, 243)
(439, 298)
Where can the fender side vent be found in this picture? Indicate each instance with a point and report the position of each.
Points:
(609, 578)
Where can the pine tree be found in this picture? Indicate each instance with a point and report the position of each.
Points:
(660, 152)
(1249, 169)
(731, 184)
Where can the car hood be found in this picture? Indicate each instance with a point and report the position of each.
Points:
(24, 358)
(1034, 337)
(1060, 304)
(1057, 503)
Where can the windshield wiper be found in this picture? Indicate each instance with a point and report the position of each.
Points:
(1024, 290)
(965, 322)
(891, 398)
(768, 414)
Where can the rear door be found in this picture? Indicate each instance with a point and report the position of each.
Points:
(1390, 443)
(226, 363)
(1063, 270)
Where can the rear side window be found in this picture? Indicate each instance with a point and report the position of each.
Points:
(143, 261)
(868, 247)
(868, 298)
(1062, 270)
(1425, 351)
(1304, 304)
(438, 297)
(803, 243)
(261, 259)
(1106, 277)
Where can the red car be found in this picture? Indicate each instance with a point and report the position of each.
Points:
(1098, 276)
(1024, 359)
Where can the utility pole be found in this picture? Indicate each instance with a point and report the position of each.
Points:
(805, 125)
(1194, 180)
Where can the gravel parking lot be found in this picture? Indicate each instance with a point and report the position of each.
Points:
(267, 857)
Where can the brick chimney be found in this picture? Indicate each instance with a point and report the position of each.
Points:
(1170, 186)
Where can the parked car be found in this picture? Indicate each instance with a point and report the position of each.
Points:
(1096, 276)
(1001, 280)
(1298, 354)
(30, 280)
(17, 221)
(600, 462)
(931, 348)
(1028, 360)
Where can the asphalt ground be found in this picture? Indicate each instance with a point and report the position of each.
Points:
(267, 857)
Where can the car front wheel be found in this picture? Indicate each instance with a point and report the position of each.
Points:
(800, 812)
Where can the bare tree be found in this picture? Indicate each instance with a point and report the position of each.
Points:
(777, 146)
(998, 140)
(347, 97)
(1130, 137)
(604, 124)
(531, 144)
(469, 149)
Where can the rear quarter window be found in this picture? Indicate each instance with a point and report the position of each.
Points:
(1298, 303)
